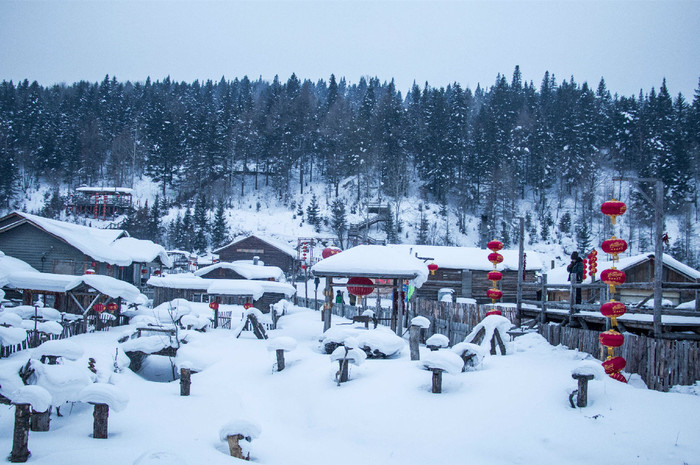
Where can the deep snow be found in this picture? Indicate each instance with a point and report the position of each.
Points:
(513, 409)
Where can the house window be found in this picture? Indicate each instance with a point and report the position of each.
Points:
(250, 250)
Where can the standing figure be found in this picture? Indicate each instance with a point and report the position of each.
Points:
(575, 269)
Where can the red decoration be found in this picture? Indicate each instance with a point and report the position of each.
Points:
(432, 267)
(330, 251)
(611, 338)
(494, 294)
(355, 282)
(112, 306)
(495, 258)
(247, 305)
(618, 377)
(613, 208)
(495, 246)
(89, 271)
(494, 276)
(614, 364)
(99, 308)
(613, 277)
(144, 271)
(585, 269)
(303, 266)
(613, 309)
(214, 305)
(614, 246)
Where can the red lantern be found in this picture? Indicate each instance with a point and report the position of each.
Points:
(247, 305)
(303, 266)
(89, 271)
(618, 377)
(112, 306)
(613, 277)
(354, 288)
(493, 311)
(613, 309)
(99, 308)
(494, 294)
(144, 271)
(494, 276)
(214, 305)
(613, 208)
(611, 338)
(495, 258)
(614, 246)
(432, 267)
(329, 251)
(585, 269)
(614, 365)
(495, 245)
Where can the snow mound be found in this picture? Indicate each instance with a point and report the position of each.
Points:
(490, 324)
(103, 393)
(589, 368)
(445, 360)
(438, 340)
(61, 348)
(471, 354)
(380, 343)
(421, 322)
(197, 322)
(11, 336)
(36, 396)
(248, 429)
(10, 319)
(50, 327)
(159, 458)
(26, 312)
(355, 356)
(64, 382)
(147, 344)
(285, 343)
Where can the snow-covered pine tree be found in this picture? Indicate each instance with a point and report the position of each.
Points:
(200, 225)
(339, 222)
(219, 230)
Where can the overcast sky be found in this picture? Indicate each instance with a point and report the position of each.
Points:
(632, 44)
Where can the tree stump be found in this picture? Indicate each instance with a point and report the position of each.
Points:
(582, 395)
(414, 341)
(437, 380)
(20, 453)
(343, 370)
(40, 420)
(234, 446)
(280, 359)
(185, 381)
(99, 426)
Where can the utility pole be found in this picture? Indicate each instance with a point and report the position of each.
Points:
(521, 272)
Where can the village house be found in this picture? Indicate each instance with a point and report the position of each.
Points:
(267, 250)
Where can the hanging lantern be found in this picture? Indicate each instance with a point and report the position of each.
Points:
(214, 305)
(494, 246)
(144, 271)
(613, 277)
(585, 269)
(356, 286)
(613, 208)
(494, 276)
(611, 338)
(330, 251)
(614, 365)
(99, 308)
(614, 246)
(247, 305)
(618, 377)
(613, 309)
(303, 266)
(89, 271)
(432, 267)
(494, 294)
(495, 258)
(494, 311)
(112, 306)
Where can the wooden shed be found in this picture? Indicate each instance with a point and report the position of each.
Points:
(465, 269)
(269, 251)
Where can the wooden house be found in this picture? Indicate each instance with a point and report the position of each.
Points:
(465, 269)
(52, 246)
(638, 269)
(269, 251)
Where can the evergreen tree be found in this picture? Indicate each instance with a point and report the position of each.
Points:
(565, 223)
(312, 212)
(187, 232)
(583, 237)
(423, 229)
(200, 225)
(219, 232)
(338, 220)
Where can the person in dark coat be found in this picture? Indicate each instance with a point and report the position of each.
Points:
(575, 269)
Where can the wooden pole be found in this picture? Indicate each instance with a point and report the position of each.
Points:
(543, 309)
(413, 341)
(658, 256)
(582, 395)
(40, 420)
(20, 453)
(185, 381)
(437, 381)
(234, 447)
(394, 307)
(99, 425)
(343, 369)
(328, 305)
(280, 359)
(399, 305)
(521, 271)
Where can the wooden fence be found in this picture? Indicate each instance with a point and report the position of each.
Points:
(661, 363)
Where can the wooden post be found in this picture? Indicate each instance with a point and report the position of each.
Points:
(399, 307)
(582, 396)
(234, 447)
(216, 317)
(40, 420)
(185, 381)
(20, 453)
(394, 306)
(328, 305)
(100, 417)
(658, 256)
(543, 291)
(413, 340)
(343, 370)
(521, 272)
(280, 359)
(437, 381)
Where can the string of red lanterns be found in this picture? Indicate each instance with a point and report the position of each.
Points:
(494, 276)
(612, 309)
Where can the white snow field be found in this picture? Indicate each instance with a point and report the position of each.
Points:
(512, 409)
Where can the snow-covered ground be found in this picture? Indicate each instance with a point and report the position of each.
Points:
(513, 409)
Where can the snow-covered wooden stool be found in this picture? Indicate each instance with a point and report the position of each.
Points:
(345, 355)
(281, 345)
(417, 324)
(488, 332)
(471, 354)
(24, 399)
(103, 396)
(439, 361)
(437, 341)
(233, 432)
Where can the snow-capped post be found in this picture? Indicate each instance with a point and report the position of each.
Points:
(24, 399)
(328, 304)
(612, 309)
(344, 355)
(494, 276)
(281, 345)
(582, 393)
(233, 432)
(437, 342)
(40, 420)
(102, 396)
(417, 323)
(185, 378)
(440, 361)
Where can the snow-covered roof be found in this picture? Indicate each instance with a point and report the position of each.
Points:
(222, 286)
(104, 245)
(235, 287)
(471, 258)
(374, 261)
(12, 265)
(107, 190)
(273, 242)
(559, 275)
(246, 269)
(179, 281)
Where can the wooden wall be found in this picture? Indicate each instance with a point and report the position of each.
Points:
(474, 284)
(250, 247)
